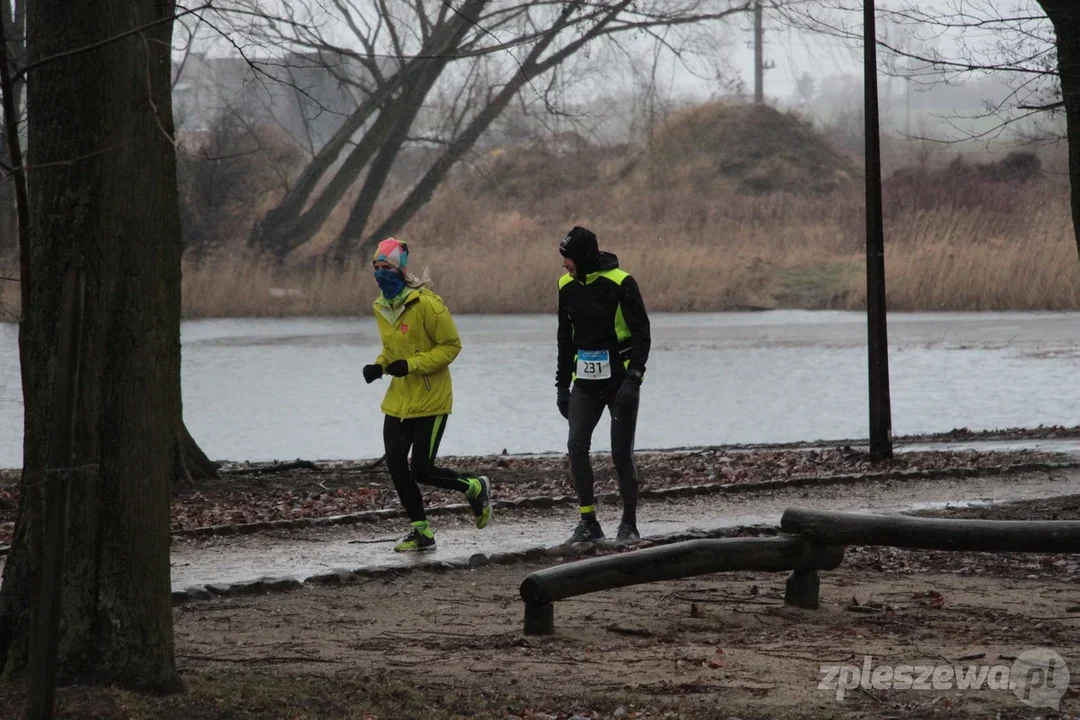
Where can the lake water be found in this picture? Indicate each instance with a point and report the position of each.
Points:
(286, 389)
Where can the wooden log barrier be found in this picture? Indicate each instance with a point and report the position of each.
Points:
(669, 562)
(895, 530)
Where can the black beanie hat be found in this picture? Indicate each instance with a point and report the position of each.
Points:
(580, 246)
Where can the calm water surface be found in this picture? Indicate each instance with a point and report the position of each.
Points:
(283, 389)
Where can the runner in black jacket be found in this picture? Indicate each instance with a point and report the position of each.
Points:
(603, 347)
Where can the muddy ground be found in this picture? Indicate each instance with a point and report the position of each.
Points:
(260, 493)
(722, 646)
(425, 644)
(716, 646)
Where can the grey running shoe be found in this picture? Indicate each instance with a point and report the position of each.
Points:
(586, 531)
(627, 532)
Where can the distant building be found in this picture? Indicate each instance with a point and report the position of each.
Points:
(307, 95)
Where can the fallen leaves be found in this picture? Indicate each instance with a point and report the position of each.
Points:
(266, 494)
(717, 660)
(930, 598)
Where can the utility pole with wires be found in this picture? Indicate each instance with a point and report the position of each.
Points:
(760, 66)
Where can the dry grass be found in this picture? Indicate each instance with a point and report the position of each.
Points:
(728, 208)
(694, 253)
(688, 254)
(974, 260)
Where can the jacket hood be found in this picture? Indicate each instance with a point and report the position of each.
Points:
(606, 261)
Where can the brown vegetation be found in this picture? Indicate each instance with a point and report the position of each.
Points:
(727, 207)
(227, 175)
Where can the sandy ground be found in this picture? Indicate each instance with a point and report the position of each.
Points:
(715, 646)
(448, 644)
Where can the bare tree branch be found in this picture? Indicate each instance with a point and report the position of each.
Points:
(107, 41)
(396, 56)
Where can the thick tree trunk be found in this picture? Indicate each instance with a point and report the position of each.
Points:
(104, 196)
(14, 617)
(1065, 15)
(190, 462)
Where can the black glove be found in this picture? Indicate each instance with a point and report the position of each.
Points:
(626, 399)
(372, 373)
(563, 401)
(398, 368)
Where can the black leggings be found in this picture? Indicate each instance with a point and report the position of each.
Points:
(586, 407)
(422, 435)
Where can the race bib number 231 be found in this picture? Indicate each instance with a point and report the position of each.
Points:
(593, 364)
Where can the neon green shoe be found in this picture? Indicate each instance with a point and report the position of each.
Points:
(481, 502)
(417, 541)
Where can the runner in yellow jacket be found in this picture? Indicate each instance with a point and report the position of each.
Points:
(419, 341)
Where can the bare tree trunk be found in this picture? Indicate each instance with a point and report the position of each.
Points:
(277, 232)
(531, 67)
(1065, 15)
(14, 614)
(389, 142)
(14, 27)
(100, 134)
(9, 225)
(289, 225)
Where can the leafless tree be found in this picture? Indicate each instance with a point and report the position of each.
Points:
(947, 44)
(476, 56)
(1033, 46)
(1065, 16)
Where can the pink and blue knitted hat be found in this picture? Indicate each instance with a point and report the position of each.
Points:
(394, 253)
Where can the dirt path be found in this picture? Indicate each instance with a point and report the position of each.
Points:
(299, 491)
(448, 644)
(302, 553)
(722, 646)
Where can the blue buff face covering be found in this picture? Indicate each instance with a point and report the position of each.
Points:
(390, 282)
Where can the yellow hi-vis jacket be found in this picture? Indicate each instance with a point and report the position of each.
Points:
(421, 332)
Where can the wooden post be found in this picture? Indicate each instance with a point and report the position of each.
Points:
(802, 589)
(540, 620)
(895, 530)
(45, 630)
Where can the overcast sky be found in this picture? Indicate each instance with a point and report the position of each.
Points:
(794, 52)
